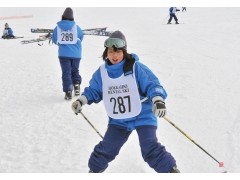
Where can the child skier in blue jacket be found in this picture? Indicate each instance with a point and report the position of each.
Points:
(69, 36)
(7, 32)
(116, 83)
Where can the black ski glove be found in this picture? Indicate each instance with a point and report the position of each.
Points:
(159, 108)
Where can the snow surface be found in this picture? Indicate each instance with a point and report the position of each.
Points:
(197, 63)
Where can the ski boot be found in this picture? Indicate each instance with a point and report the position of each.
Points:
(174, 170)
(77, 89)
(68, 95)
(176, 23)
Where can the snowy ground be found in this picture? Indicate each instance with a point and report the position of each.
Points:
(197, 62)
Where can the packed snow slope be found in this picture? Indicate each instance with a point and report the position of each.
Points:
(197, 62)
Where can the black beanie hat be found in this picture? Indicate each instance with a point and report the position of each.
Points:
(68, 14)
(119, 35)
(6, 25)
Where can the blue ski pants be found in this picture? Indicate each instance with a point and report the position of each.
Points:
(173, 16)
(70, 73)
(152, 151)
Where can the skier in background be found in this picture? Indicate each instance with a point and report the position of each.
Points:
(7, 32)
(172, 11)
(123, 83)
(184, 9)
(69, 36)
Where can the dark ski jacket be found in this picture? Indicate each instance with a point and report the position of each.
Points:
(173, 10)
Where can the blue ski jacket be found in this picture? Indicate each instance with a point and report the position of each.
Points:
(148, 86)
(9, 32)
(68, 50)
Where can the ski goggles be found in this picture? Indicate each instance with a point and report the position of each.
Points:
(118, 43)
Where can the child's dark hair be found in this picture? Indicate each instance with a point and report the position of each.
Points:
(125, 53)
(129, 60)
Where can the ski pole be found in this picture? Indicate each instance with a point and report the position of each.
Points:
(91, 124)
(221, 164)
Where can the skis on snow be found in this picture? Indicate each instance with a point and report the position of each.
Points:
(173, 24)
(15, 37)
(44, 37)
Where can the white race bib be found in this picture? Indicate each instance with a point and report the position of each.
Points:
(120, 96)
(67, 37)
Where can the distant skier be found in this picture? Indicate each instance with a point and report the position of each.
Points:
(172, 11)
(7, 32)
(184, 9)
(69, 36)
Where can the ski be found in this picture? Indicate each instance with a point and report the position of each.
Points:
(41, 38)
(15, 37)
(32, 40)
(97, 29)
(98, 32)
(173, 24)
(91, 31)
(42, 30)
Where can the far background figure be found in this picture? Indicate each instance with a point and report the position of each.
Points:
(7, 32)
(172, 11)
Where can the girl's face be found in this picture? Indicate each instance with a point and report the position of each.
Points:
(115, 57)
